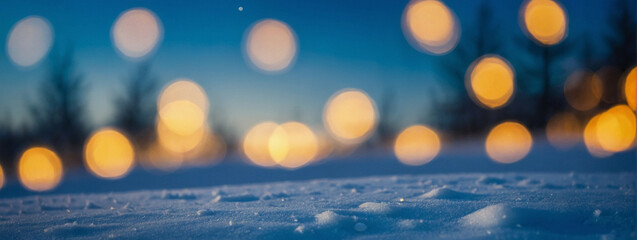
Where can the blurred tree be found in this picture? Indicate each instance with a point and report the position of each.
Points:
(136, 108)
(621, 40)
(222, 128)
(8, 144)
(538, 80)
(482, 39)
(386, 130)
(59, 111)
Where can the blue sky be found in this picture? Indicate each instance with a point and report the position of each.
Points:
(342, 43)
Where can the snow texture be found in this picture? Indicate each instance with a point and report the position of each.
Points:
(451, 206)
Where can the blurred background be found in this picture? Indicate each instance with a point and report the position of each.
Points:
(129, 95)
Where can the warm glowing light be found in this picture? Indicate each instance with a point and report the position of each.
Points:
(29, 41)
(136, 32)
(209, 151)
(417, 145)
(256, 144)
(350, 116)
(109, 154)
(630, 86)
(564, 130)
(271, 45)
(182, 117)
(545, 21)
(183, 107)
(508, 142)
(39, 169)
(292, 145)
(583, 90)
(184, 89)
(176, 142)
(158, 157)
(431, 26)
(616, 129)
(591, 139)
(325, 146)
(1, 177)
(490, 81)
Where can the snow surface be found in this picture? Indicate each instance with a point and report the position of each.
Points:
(451, 206)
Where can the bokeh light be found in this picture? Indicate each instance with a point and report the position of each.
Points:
(591, 139)
(184, 89)
(109, 154)
(209, 151)
(430, 26)
(136, 32)
(29, 41)
(616, 129)
(545, 21)
(564, 130)
(417, 145)
(630, 87)
(271, 45)
(508, 142)
(158, 157)
(39, 169)
(350, 116)
(490, 81)
(583, 90)
(183, 107)
(1, 177)
(256, 144)
(292, 145)
(176, 142)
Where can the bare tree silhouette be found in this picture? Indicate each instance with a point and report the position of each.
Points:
(135, 108)
(386, 130)
(59, 111)
(621, 41)
(484, 38)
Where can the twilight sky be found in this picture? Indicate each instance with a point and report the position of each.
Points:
(341, 44)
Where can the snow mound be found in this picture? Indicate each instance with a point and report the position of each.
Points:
(91, 205)
(446, 193)
(375, 208)
(505, 216)
(269, 196)
(246, 197)
(528, 182)
(327, 218)
(407, 224)
(499, 215)
(205, 212)
(183, 195)
(490, 180)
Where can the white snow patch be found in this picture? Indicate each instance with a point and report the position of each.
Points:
(491, 216)
(300, 229)
(407, 224)
(204, 212)
(446, 193)
(327, 218)
(376, 208)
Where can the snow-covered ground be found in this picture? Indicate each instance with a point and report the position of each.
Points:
(448, 206)
(460, 194)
